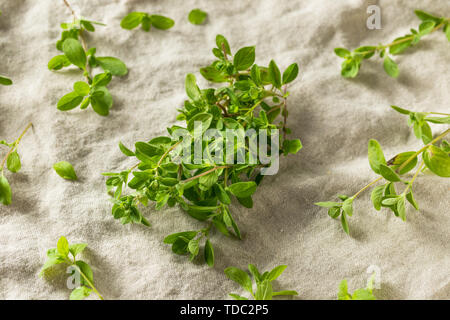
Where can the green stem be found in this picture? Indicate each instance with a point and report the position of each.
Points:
(381, 47)
(414, 177)
(15, 145)
(205, 173)
(367, 186)
(439, 113)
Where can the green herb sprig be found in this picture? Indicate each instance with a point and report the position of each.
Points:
(353, 59)
(359, 294)
(93, 91)
(13, 164)
(205, 190)
(60, 255)
(264, 290)
(434, 158)
(134, 19)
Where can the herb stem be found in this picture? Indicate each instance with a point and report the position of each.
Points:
(439, 113)
(367, 186)
(205, 173)
(88, 281)
(15, 145)
(414, 177)
(381, 47)
(404, 164)
(284, 114)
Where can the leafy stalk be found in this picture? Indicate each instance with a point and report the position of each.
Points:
(434, 158)
(13, 164)
(359, 294)
(76, 52)
(353, 59)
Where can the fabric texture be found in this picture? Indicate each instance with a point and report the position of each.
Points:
(334, 118)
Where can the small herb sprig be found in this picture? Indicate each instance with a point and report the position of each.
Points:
(134, 19)
(93, 91)
(204, 190)
(13, 164)
(434, 158)
(359, 294)
(353, 60)
(60, 255)
(4, 80)
(264, 290)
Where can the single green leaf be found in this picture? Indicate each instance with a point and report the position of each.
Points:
(210, 73)
(74, 52)
(77, 248)
(65, 170)
(401, 110)
(192, 89)
(388, 173)
(344, 223)
(377, 197)
(292, 146)
(5, 81)
(285, 293)
(350, 68)
(125, 150)
(328, 204)
(63, 247)
(209, 253)
(132, 20)
(112, 65)
(161, 22)
(390, 67)
(13, 162)
(101, 101)
(426, 27)
(241, 277)
(276, 272)
(69, 101)
(203, 119)
(222, 44)
(5, 190)
(343, 291)
(410, 198)
(221, 194)
(87, 271)
(194, 247)
(401, 45)
(170, 239)
(242, 189)
(81, 88)
(347, 206)
(399, 159)
(80, 293)
(334, 212)
(58, 62)
(437, 161)
(401, 208)
(424, 16)
(274, 74)
(244, 58)
(290, 73)
(197, 16)
(375, 155)
(342, 52)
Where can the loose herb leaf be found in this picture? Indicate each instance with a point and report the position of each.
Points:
(65, 170)
(197, 16)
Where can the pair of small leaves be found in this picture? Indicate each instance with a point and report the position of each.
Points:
(134, 19)
(188, 242)
(264, 290)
